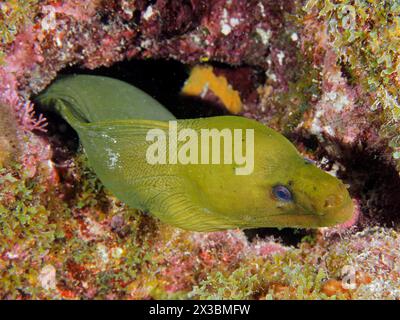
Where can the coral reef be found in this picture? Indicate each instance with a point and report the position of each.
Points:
(325, 73)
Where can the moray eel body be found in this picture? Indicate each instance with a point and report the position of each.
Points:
(113, 119)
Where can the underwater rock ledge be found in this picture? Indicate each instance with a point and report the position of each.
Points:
(65, 236)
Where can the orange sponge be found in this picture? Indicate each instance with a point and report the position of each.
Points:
(202, 79)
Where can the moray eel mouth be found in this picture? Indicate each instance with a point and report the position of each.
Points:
(312, 219)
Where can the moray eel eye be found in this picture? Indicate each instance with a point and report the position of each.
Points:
(282, 193)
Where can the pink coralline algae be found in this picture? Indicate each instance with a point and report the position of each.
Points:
(28, 119)
(95, 34)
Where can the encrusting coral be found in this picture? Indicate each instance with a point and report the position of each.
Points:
(327, 77)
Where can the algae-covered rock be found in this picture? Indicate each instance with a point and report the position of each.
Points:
(8, 136)
(365, 36)
(324, 73)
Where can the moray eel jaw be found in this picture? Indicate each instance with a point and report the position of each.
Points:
(320, 200)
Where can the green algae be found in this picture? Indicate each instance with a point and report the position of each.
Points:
(39, 229)
(26, 232)
(260, 277)
(365, 34)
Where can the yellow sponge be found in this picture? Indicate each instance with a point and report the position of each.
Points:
(202, 79)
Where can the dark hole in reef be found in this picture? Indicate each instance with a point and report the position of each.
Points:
(62, 137)
(163, 80)
(64, 143)
(372, 180)
(287, 236)
(376, 184)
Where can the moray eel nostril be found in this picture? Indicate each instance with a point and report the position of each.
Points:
(332, 200)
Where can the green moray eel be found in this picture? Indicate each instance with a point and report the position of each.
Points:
(113, 119)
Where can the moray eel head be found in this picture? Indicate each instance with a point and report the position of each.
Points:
(312, 198)
(284, 190)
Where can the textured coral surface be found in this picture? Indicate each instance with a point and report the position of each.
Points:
(324, 73)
